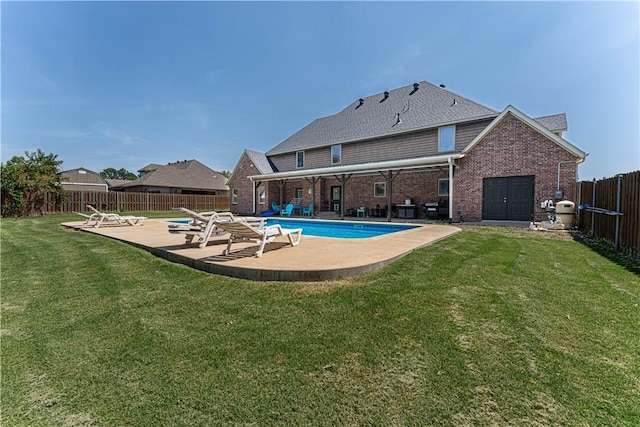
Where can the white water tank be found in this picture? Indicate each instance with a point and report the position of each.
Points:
(565, 212)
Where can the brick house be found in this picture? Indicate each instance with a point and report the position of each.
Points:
(414, 152)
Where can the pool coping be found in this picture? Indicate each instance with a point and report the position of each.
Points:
(314, 259)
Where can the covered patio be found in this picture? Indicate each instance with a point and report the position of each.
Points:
(388, 170)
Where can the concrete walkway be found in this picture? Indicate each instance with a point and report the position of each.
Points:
(316, 258)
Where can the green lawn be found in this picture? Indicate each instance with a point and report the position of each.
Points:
(488, 327)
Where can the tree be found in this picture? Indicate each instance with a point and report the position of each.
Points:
(226, 174)
(25, 183)
(122, 173)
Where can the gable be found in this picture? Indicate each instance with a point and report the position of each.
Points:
(535, 125)
(254, 160)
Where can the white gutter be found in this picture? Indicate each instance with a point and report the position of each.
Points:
(361, 168)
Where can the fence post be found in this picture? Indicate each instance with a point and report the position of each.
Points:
(618, 201)
(579, 191)
(593, 214)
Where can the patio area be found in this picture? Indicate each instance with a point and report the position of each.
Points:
(314, 259)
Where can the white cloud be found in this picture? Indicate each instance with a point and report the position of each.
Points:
(107, 131)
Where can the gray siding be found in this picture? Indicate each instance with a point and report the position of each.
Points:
(406, 146)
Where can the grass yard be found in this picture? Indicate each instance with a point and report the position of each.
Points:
(489, 327)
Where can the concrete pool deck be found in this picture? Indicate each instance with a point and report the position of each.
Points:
(314, 259)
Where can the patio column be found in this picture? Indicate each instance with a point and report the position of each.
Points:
(389, 178)
(313, 181)
(281, 184)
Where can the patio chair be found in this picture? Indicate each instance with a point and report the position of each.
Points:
(242, 231)
(203, 225)
(275, 208)
(288, 210)
(308, 211)
(97, 218)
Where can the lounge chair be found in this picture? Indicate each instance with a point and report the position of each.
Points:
(242, 230)
(308, 211)
(97, 218)
(203, 225)
(288, 210)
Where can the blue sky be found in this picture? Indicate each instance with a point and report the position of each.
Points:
(125, 84)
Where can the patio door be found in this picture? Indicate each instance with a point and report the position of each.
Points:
(336, 198)
(508, 198)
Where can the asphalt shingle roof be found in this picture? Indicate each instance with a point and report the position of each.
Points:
(396, 111)
(188, 174)
(555, 122)
(260, 161)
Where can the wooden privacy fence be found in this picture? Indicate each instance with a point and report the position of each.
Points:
(115, 201)
(610, 209)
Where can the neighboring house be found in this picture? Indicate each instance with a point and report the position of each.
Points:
(183, 177)
(82, 179)
(411, 148)
(115, 184)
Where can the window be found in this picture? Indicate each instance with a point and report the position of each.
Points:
(446, 138)
(234, 196)
(443, 187)
(336, 154)
(262, 195)
(299, 159)
(379, 189)
(298, 193)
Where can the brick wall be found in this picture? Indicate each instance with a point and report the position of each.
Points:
(420, 186)
(512, 148)
(244, 186)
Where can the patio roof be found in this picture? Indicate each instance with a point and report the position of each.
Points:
(363, 168)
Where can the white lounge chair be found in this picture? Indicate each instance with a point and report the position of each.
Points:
(203, 225)
(97, 218)
(242, 230)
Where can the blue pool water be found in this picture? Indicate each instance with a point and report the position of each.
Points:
(341, 230)
(180, 221)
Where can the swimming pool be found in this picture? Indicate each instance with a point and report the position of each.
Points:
(340, 230)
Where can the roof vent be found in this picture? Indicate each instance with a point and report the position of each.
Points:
(416, 86)
(360, 102)
(386, 95)
(442, 85)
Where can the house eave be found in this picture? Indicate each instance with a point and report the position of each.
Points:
(363, 168)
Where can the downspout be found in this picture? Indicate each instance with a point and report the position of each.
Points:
(559, 163)
(253, 191)
(450, 161)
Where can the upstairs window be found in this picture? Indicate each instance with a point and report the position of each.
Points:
(299, 159)
(446, 138)
(234, 196)
(336, 154)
